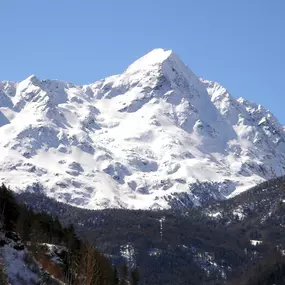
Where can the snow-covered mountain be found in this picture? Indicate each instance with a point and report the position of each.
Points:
(154, 136)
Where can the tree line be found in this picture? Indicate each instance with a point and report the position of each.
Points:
(82, 263)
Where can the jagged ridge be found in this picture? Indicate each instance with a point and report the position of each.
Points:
(148, 138)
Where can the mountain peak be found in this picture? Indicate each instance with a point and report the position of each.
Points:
(141, 139)
(154, 60)
(150, 60)
(160, 68)
(33, 79)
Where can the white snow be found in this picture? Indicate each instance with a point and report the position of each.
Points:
(128, 252)
(239, 213)
(133, 139)
(18, 271)
(255, 242)
(53, 251)
(215, 215)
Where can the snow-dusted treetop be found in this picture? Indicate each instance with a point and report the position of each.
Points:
(154, 136)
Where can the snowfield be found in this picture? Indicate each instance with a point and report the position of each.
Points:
(155, 136)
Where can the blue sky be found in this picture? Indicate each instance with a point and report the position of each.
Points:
(240, 44)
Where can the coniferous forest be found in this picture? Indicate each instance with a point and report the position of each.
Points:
(82, 262)
(209, 245)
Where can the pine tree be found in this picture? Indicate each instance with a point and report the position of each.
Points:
(9, 209)
(135, 277)
(115, 278)
(124, 275)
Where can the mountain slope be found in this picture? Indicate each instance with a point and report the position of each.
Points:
(216, 244)
(151, 137)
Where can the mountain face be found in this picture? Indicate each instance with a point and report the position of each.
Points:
(155, 136)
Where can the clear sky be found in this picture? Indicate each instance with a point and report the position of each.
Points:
(239, 43)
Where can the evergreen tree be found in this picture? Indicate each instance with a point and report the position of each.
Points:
(82, 263)
(124, 275)
(135, 277)
(9, 209)
(115, 278)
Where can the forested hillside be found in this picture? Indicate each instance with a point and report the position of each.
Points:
(56, 252)
(238, 241)
(215, 244)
